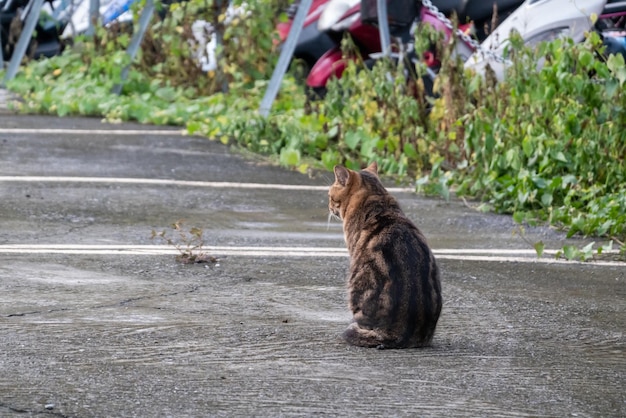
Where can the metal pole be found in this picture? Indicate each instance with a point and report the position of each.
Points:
(285, 56)
(383, 27)
(144, 20)
(25, 37)
(94, 16)
(1, 53)
(219, 41)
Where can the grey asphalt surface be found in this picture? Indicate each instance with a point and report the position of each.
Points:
(93, 323)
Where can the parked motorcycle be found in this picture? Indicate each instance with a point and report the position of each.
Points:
(479, 43)
(45, 42)
(538, 21)
(359, 20)
(59, 20)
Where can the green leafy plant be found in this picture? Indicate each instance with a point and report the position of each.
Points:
(555, 149)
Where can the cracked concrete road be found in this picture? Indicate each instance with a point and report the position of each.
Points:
(97, 319)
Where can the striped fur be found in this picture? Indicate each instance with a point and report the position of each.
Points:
(394, 290)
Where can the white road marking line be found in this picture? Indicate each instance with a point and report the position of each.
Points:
(94, 131)
(530, 260)
(485, 255)
(441, 251)
(170, 182)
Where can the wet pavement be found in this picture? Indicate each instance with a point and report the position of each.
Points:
(98, 319)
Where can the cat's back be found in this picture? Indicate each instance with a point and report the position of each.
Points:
(378, 216)
(396, 250)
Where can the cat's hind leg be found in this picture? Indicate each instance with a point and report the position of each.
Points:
(363, 337)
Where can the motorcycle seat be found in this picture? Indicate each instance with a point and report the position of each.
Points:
(614, 6)
(477, 10)
(447, 7)
(481, 10)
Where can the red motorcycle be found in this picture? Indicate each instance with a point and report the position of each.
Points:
(358, 19)
(337, 18)
(312, 43)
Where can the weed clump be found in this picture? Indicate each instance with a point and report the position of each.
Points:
(188, 241)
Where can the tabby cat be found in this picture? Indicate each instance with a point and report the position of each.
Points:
(394, 291)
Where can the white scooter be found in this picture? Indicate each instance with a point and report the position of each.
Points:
(541, 20)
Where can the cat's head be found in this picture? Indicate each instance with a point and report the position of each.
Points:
(350, 187)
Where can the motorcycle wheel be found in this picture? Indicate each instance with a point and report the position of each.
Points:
(316, 93)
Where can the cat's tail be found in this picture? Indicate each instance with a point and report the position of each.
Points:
(362, 337)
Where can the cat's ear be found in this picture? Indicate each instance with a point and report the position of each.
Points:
(373, 168)
(342, 175)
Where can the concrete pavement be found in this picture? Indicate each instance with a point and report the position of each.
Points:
(98, 319)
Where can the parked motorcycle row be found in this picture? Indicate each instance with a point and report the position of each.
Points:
(328, 21)
(59, 21)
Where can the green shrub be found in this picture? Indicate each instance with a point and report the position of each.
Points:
(550, 145)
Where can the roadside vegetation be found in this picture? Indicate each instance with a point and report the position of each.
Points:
(546, 146)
